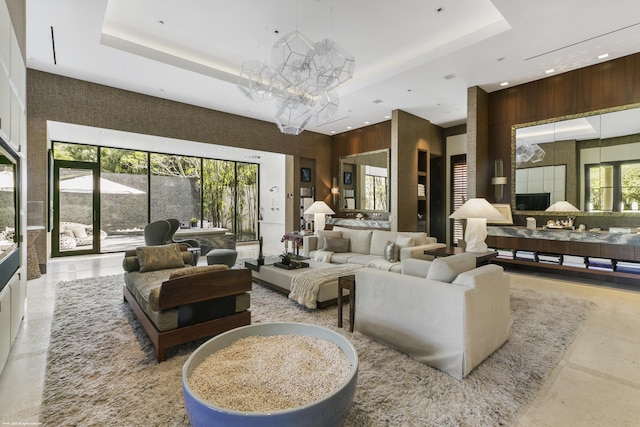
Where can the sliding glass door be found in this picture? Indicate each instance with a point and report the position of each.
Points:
(76, 208)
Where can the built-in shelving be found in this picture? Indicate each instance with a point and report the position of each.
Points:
(617, 263)
(422, 189)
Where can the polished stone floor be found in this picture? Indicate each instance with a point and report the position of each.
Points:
(597, 382)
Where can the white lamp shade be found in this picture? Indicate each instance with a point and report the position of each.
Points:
(477, 208)
(319, 210)
(319, 207)
(562, 206)
(476, 211)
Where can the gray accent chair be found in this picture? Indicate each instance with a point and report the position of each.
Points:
(175, 224)
(156, 233)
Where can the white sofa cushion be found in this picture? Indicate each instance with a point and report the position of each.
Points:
(404, 241)
(419, 238)
(360, 240)
(415, 267)
(446, 269)
(379, 238)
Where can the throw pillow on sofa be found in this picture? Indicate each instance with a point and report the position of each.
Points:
(334, 244)
(404, 241)
(153, 258)
(446, 269)
(323, 234)
(391, 252)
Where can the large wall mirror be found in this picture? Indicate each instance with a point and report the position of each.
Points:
(591, 161)
(364, 182)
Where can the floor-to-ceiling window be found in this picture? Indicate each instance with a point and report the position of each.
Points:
(133, 188)
(613, 187)
(175, 187)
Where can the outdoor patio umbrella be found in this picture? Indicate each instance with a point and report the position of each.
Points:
(6, 181)
(84, 184)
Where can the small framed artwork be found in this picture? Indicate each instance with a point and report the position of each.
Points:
(505, 210)
(347, 178)
(305, 174)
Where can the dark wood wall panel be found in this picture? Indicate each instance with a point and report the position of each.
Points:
(606, 85)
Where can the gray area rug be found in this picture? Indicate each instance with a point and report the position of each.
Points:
(101, 367)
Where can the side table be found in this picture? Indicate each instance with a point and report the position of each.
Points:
(195, 253)
(349, 283)
(482, 258)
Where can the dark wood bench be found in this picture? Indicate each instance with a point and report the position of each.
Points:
(190, 290)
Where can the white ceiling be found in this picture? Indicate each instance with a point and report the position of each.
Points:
(408, 55)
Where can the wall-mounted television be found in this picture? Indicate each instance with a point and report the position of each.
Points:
(533, 201)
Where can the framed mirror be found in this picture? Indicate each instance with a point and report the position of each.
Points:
(591, 161)
(364, 182)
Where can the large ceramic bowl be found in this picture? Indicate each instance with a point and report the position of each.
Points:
(328, 411)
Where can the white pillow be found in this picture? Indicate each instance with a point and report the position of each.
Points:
(79, 231)
(404, 241)
(446, 269)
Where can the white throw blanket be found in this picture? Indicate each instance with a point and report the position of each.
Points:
(305, 286)
(322, 256)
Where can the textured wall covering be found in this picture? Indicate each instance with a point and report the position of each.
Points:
(53, 97)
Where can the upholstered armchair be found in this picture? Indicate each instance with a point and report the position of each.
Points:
(175, 224)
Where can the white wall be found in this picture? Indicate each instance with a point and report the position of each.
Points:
(273, 202)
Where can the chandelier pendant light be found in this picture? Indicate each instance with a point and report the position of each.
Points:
(301, 79)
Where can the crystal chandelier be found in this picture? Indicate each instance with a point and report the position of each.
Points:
(302, 79)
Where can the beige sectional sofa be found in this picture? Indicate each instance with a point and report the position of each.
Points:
(380, 249)
(447, 313)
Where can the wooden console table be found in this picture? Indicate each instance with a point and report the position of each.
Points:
(549, 255)
(349, 283)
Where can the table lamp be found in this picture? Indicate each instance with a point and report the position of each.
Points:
(562, 206)
(319, 210)
(476, 211)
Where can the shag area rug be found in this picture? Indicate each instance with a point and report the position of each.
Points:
(101, 367)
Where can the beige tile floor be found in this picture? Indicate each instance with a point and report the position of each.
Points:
(597, 382)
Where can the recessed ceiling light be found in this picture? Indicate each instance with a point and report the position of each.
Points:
(502, 58)
(333, 131)
(504, 83)
(378, 101)
(387, 117)
(550, 70)
(604, 55)
(366, 123)
(449, 76)
(349, 128)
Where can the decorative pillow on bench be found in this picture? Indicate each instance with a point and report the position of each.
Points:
(133, 263)
(153, 258)
(196, 270)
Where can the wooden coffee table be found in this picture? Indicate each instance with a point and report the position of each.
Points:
(347, 282)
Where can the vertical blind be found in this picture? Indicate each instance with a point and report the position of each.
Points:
(458, 192)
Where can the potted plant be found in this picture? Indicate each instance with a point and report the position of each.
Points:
(194, 222)
(285, 258)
